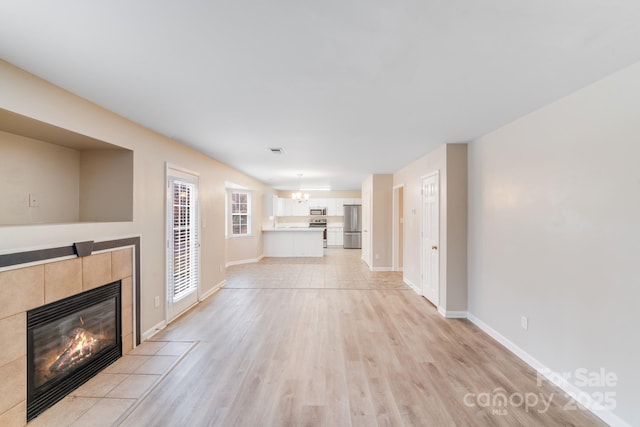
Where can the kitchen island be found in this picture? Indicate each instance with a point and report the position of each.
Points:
(293, 242)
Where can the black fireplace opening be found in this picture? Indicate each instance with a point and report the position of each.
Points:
(68, 342)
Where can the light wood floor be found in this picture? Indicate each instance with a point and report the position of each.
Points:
(325, 342)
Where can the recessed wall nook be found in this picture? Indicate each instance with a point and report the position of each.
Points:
(51, 175)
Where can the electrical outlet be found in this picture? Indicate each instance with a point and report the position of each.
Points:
(156, 302)
(34, 200)
(377, 256)
(524, 322)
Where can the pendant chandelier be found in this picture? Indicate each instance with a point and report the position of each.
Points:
(299, 196)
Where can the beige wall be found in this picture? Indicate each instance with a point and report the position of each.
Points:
(106, 190)
(249, 248)
(554, 233)
(451, 162)
(378, 188)
(27, 95)
(243, 249)
(47, 170)
(382, 226)
(456, 184)
(398, 227)
(410, 176)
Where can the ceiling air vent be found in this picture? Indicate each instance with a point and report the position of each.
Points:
(276, 150)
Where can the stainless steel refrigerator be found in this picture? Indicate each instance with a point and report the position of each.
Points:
(352, 226)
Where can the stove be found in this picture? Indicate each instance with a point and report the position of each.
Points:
(320, 223)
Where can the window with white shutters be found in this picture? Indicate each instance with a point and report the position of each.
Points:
(185, 251)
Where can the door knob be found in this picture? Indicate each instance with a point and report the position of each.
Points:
(435, 248)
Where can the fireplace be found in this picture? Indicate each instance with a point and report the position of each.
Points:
(68, 342)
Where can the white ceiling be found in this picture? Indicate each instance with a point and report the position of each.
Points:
(346, 87)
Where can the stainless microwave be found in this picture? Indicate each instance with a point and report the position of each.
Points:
(317, 211)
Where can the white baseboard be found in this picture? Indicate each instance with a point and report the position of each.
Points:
(381, 269)
(244, 261)
(212, 291)
(410, 284)
(452, 314)
(154, 330)
(555, 378)
(161, 325)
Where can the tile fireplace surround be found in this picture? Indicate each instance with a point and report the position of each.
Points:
(24, 288)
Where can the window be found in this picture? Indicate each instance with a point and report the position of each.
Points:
(240, 213)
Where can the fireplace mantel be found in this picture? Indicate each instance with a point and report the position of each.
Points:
(35, 278)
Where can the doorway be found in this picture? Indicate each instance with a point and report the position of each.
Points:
(183, 241)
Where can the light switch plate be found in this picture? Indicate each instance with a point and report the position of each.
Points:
(34, 201)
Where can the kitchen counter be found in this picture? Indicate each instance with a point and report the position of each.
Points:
(292, 242)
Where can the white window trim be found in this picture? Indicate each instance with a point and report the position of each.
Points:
(229, 223)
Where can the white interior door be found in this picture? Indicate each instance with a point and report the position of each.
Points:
(430, 244)
(183, 242)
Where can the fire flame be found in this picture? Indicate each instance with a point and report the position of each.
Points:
(77, 349)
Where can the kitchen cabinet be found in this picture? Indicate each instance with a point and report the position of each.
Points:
(293, 242)
(281, 206)
(300, 209)
(318, 203)
(331, 237)
(290, 207)
(339, 205)
(335, 206)
(334, 236)
(331, 207)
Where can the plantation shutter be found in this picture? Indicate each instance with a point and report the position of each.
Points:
(185, 240)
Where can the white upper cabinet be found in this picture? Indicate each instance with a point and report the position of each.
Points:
(280, 206)
(318, 203)
(335, 206)
(300, 209)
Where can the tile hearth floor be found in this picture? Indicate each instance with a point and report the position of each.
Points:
(112, 394)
